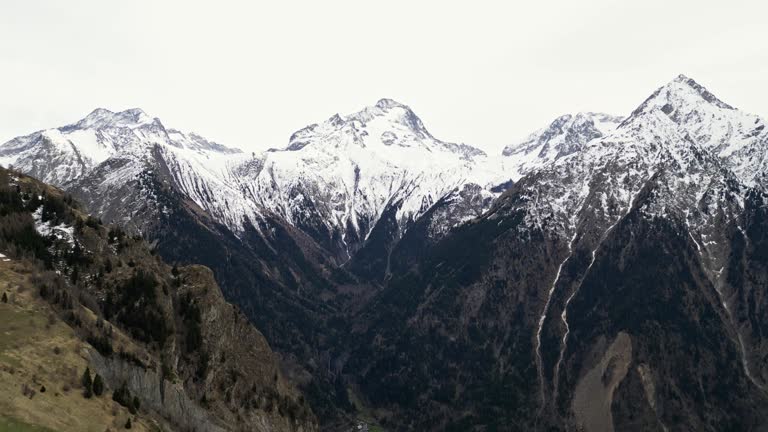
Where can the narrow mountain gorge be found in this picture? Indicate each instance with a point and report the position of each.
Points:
(569, 283)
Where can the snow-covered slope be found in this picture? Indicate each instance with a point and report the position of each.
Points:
(682, 142)
(682, 132)
(334, 180)
(739, 138)
(339, 176)
(566, 135)
(105, 154)
(64, 154)
(671, 182)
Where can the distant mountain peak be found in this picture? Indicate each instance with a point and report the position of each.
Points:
(698, 89)
(678, 98)
(565, 135)
(393, 111)
(99, 113)
(134, 112)
(388, 121)
(336, 120)
(682, 78)
(102, 118)
(385, 103)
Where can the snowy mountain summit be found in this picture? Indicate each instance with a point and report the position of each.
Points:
(739, 138)
(337, 178)
(102, 118)
(67, 153)
(566, 135)
(333, 180)
(386, 124)
(703, 148)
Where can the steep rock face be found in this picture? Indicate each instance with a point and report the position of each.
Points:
(448, 345)
(389, 241)
(243, 372)
(743, 281)
(170, 400)
(45, 155)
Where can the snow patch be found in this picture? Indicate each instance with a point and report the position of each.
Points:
(46, 229)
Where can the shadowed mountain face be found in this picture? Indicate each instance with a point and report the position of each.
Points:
(459, 329)
(160, 337)
(278, 275)
(581, 298)
(569, 283)
(649, 283)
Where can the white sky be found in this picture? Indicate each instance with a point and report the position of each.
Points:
(248, 74)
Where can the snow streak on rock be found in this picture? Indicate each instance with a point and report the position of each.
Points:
(543, 317)
(564, 313)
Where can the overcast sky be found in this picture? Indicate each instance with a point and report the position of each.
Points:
(248, 74)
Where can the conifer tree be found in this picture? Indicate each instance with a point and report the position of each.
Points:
(98, 385)
(87, 383)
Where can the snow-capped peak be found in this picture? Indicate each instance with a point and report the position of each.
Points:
(700, 90)
(739, 138)
(104, 133)
(682, 99)
(382, 127)
(385, 103)
(62, 154)
(104, 118)
(392, 112)
(673, 154)
(342, 174)
(566, 135)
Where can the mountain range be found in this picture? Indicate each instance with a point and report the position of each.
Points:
(566, 283)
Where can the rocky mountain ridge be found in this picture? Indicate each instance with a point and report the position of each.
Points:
(333, 181)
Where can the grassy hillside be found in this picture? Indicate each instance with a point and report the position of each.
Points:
(38, 351)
